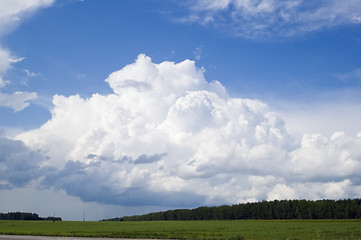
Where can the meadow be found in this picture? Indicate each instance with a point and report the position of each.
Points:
(215, 229)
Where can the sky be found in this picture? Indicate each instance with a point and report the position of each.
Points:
(115, 108)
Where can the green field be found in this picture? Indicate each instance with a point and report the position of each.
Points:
(244, 229)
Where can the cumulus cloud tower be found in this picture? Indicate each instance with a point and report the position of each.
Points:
(165, 133)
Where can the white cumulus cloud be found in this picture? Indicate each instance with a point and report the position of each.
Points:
(11, 14)
(17, 101)
(13, 11)
(166, 136)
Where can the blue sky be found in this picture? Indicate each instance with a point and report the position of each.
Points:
(71, 47)
(269, 83)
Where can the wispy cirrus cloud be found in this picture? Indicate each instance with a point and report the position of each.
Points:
(354, 75)
(270, 18)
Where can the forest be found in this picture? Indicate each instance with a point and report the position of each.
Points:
(284, 209)
(26, 216)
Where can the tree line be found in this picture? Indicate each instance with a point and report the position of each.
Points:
(26, 216)
(284, 209)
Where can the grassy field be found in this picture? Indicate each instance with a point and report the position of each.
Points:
(248, 229)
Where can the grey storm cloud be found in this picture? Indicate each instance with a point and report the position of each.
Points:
(142, 159)
(89, 183)
(18, 164)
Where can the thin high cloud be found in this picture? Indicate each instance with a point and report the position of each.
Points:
(269, 18)
(11, 14)
(168, 137)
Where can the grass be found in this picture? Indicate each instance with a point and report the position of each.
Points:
(233, 230)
